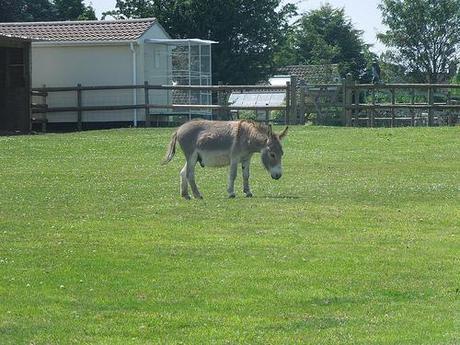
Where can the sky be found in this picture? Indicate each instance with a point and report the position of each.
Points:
(364, 14)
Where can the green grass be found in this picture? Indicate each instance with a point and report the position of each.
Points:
(358, 243)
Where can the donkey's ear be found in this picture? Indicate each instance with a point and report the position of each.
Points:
(270, 130)
(283, 134)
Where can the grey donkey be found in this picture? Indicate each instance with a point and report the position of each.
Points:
(223, 143)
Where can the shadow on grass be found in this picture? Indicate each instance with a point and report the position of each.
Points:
(294, 197)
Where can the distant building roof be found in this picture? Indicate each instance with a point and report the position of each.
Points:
(279, 80)
(313, 74)
(13, 38)
(91, 30)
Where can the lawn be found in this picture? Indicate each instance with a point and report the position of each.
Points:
(357, 243)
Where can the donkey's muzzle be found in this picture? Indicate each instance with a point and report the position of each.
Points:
(276, 176)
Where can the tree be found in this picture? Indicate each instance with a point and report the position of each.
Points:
(74, 10)
(23, 10)
(44, 10)
(248, 32)
(424, 34)
(326, 36)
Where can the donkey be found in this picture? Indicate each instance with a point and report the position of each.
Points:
(223, 143)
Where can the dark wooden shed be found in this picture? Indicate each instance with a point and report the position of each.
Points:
(15, 84)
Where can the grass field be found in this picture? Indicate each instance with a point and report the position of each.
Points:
(358, 243)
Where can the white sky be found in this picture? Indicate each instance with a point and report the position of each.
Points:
(364, 14)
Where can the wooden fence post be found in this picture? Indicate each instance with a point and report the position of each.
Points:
(393, 102)
(372, 114)
(147, 102)
(79, 105)
(348, 99)
(302, 105)
(288, 103)
(355, 96)
(451, 118)
(412, 111)
(44, 115)
(293, 113)
(430, 103)
(220, 111)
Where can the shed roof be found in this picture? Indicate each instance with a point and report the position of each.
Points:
(257, 98)
(313, 74)
(180, 42)
(13, 38)
(81, 31)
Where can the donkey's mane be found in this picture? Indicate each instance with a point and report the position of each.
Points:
(256, 130)
(261, 128)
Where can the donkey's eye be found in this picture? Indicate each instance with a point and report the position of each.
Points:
(272, 155)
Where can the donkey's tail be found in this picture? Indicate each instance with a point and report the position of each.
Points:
(171, 149)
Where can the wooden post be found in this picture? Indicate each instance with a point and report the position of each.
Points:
(288, 103)
(430, 103)
(372, 115)
(344, 102)
(450, 116)
(220, 112)
(412, 110)
(28, 82)
(393, 102)
(44, 115)
(356, 102)
(348, 99)
(293, 114)
(267, 116)
(454, 113)
(79, 105)
(147, 102)
(302, 105)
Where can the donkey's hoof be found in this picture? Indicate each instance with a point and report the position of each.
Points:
(248, 195)
(199, 197)
(232, 196)
(187, 197)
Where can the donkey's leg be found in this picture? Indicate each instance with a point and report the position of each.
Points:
(184, 183)
(231, 178)
(191, 176)
(245, 165)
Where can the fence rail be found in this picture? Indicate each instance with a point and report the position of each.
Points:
(46, 89)
(80, 108)
(407, 86)
(44, 109)
(353, 104)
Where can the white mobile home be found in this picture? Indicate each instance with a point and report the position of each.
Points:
(95, 53)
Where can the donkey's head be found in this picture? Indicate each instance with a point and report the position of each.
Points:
(273, 152)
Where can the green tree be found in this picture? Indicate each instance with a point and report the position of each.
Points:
(23, 10)
(392, 69)
(424, 35)
(248, 32)
(44, 10)
(74, 10)
(325, 36)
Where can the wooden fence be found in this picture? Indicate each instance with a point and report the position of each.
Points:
(349, 103)
(221, 108)
(361, 104)
(321, 104)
